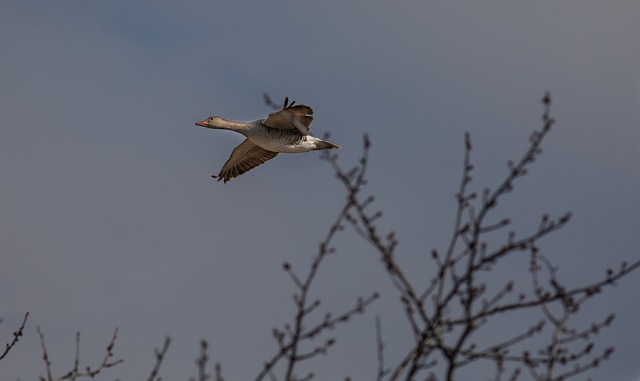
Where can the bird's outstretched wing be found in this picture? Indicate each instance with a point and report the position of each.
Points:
(290, 117)
(244, 157)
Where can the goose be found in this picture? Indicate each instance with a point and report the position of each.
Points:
(282, 131)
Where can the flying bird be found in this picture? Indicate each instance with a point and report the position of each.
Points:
(283, 131)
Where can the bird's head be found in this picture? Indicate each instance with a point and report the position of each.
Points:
(212, 122)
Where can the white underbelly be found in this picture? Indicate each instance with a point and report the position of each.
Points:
(305, 145)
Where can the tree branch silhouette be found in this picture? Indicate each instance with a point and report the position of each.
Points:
(159, 355)
(17, 334)
(292, 335)
(76, 372)
(456, 303)
(447, 313)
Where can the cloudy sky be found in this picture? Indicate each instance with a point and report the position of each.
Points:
(110, 217)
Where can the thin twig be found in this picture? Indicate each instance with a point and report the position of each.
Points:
(382, 371)
(75, 372)
(159, 356)
(16, 337)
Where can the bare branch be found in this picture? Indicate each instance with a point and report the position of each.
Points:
(292, 335)
(201, 362)
(16, 337)
(461, 303)
(159, 356)
(382, 371)
(75, 372)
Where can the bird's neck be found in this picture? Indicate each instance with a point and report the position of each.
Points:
(225, 124)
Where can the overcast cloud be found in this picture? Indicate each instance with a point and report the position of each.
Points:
(110, 217)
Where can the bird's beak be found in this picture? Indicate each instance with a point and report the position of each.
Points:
(203, 123)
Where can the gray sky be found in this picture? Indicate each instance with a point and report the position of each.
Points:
(110, 217)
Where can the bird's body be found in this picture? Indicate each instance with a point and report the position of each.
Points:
(283, 131)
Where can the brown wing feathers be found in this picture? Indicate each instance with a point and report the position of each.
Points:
(290, 117)
(244, 157)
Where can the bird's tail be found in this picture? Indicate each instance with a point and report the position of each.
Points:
(322, 144)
